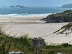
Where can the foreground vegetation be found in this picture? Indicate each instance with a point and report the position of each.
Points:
(65, 48)
(8, 44)
(24, 44)
(65, 16)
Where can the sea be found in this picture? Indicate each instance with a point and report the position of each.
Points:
(29, 11)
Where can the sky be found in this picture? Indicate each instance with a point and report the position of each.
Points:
(35, 3)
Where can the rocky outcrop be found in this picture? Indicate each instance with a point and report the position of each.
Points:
(18, 6)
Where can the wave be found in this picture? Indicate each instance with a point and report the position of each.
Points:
(24, 15)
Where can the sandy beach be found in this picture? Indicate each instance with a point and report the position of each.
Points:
(34, 27)
(22, 19)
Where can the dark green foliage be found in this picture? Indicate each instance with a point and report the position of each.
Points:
(65, 16)
(66, 44)
(53, 49)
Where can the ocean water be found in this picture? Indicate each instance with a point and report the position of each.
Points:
(29, 11)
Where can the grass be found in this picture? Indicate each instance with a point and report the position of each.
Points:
(64, 29)
(64, 48)
(8, 44)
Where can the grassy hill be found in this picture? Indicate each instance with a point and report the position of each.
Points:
(67, 6)
(65, 16)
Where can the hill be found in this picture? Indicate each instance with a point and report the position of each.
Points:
(67, 6)
(65, 16)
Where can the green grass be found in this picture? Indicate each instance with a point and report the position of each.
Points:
(8, 44)
(53, 49)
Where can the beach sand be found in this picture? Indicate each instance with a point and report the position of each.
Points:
(22, 19)
(39, 29)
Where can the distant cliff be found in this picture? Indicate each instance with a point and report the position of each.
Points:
(67, 6)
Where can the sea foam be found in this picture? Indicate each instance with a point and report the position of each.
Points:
(25, 15)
